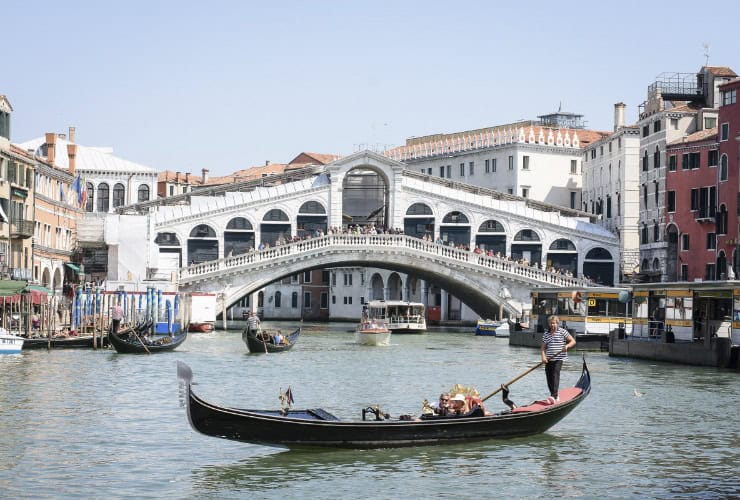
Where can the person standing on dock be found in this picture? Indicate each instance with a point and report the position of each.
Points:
(116, 315)
(555, 344)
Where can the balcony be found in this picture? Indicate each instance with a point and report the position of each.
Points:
(21, 228)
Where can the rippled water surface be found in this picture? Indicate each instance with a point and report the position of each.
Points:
(83, 423)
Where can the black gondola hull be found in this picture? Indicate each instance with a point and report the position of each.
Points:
(135, 344)
(310, 428)
(255, 345)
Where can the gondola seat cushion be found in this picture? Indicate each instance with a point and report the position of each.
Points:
(564, 395)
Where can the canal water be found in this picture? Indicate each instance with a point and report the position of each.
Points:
(83, 423)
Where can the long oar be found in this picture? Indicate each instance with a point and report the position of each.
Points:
(507, 384)
(133, 330)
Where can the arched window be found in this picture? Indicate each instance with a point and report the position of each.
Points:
(419, 209)
(275, 215)
(294, 300)
(202, 231)
(723, 168)
(278, 299)
(119, 195)
(599, 254)
(312, 207)
(526, 235)
(239, 223)
(167, 240)
(491, 226)
(90, 205)
(103, 197)
(143, 193)
(455, 218)
(563, 244)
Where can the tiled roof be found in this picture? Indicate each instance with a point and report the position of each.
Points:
(701, 135)
(247, 174)
(306, 158)
(725, 71)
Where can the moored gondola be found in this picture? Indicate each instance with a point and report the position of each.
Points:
(268, 340)
(318, 428)
(135, 340)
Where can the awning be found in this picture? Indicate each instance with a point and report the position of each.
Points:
(3, 216)
(9, 288)
(72, 267)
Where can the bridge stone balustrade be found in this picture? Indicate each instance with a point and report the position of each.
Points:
(476, 279)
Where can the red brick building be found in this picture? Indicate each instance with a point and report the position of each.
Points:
(702, 189)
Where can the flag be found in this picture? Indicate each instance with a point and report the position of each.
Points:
(289, 396)
(83, 194)
(61, 191)
(77, 188)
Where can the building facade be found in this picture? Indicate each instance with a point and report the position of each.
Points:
(611, 188)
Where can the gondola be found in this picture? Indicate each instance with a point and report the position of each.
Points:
(134, 340)
(317, 428)
(264, 341)
(79, 342)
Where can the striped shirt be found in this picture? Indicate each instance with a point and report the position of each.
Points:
(554, 343)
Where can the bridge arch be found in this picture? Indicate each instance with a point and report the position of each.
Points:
(395, 287)
(491, 236)
(527, 245)
(377, 287)
(455, 228)
(598, 265)
(202, 244)
(419, 220)
(275, 228)
(563, 255)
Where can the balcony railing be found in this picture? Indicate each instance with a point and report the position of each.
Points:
(21, 228)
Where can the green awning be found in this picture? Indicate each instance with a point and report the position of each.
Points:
(37, 288)
(73, 267)
(9, 288)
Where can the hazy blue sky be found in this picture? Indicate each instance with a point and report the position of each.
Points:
(226, 85)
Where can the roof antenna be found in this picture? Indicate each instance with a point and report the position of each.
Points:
(706, 53)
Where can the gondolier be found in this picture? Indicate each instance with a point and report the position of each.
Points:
(116, 315)
(253, 321)
(555, 344)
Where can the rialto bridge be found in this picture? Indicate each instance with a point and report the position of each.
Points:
(488, 249)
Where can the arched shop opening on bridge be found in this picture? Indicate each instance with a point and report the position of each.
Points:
(563, 256)
(526, 246)
(170, 253)
(365, 198)
(275, 227)
(311, 219)
(202, 244)
(419, 221)
(238, 237)
(491, 237)
(599, 266)
(455, 229)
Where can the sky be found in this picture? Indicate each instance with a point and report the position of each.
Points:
(227, 85)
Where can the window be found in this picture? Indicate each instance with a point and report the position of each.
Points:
(657, 126)
(471, 168)
(362, 300)
(90, 205)
(493, 165)
(724, 133)
(307, 300)
(449, 171)
(511, 163)
(689, 161)
(711, 241)
(294, 300)
(712, 158)
(672, 163)
(462, 170)
(119, 195)
(347, 279)
(695, 199)
(333, 299)
(488, 166)
(722, 220)
(684, 272)
(429, 171)
(442, 171)
(656, 232)
(645, 130)
(278, 300)
(657, 198)
(525, 192)
(307, 277)
(601, 150)
(172, 190)
(723, 168)
(710, 272)
(709, 123)
(324, 300)
(674, 123)
(103, 198)
(729, 97)
(573, 166)
(572, 199)
(656, 157)
(525, 163)
(645, 161)
(704, 200)
(644, 234)
(143, 193)
(608, 207)
(644, 195)
(671, 201)
(685, 242)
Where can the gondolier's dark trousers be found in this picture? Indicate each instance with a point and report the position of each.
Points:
(552, 372)
(116, 324)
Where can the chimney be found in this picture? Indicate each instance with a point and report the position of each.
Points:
(71, 134)
(51, 141)
(204, 178)
(72, 154)
(177, 177)
(187, 177)
(619, 115)
(267, 163)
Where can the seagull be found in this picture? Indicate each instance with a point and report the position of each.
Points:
(638, 394)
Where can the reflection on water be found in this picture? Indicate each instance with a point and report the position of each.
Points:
(96, 423)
